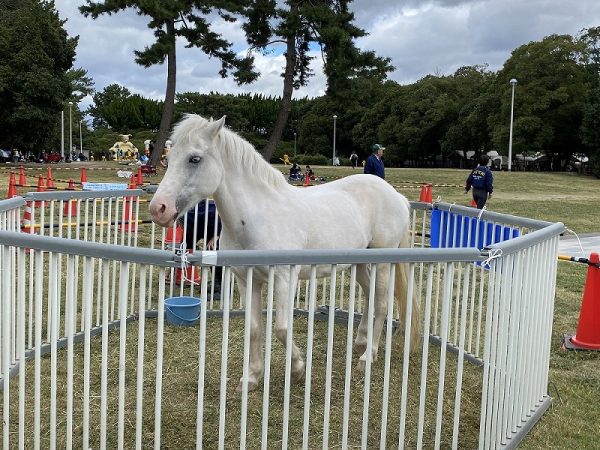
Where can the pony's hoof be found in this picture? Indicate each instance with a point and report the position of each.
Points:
(359, 347)
(298, 372)
(252, 386)
(360, 366)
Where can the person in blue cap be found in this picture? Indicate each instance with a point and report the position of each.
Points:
(482, 181)
(374, 165)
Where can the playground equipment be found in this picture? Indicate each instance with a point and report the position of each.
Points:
(123, 149)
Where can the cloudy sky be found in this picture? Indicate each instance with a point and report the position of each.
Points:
(420, 36)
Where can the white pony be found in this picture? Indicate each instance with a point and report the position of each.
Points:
(259, 210)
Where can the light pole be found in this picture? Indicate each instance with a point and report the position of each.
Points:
(70, 130)
(513, 83)
(62, 135)
(80, 138)
(294, 144)
(333, 160)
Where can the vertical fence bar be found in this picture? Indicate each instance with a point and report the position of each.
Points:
(368, 355)
(140, 358)
(446, 297)
(388, 356)
(425, 356)
(123, 303)
(224, 354)
(267, 375)
(37, 254)
(159, 358)
(487, 344)
(6, 345)
(461, 355)
(329, 367)
(292, 278)
(312, 297)
(87, 326)
(246, 360)
(201, 359)
(104, 365)
(406, 356)
(21, 337)
(349, 339)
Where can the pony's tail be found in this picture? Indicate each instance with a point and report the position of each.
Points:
(402, 280)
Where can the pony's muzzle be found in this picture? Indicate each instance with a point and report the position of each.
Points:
(162, 214)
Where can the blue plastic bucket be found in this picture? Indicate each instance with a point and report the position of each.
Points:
(182, 311)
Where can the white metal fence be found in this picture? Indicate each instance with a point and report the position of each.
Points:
(477, 378)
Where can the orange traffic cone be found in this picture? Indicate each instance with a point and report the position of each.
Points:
(423, 196)
(83, 175)
(26, 225)
(174, 238)
(40, 188)
(49, 180)
(306, 180)
(70, 206)
(588, 329)
(140, 177)
(426, 193)
(12, 189)
(22, 180)
(128, 224)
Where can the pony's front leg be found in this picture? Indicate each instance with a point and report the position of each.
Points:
(256, 362)
(284, 293)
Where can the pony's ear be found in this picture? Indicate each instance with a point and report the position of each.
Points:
(214, 127)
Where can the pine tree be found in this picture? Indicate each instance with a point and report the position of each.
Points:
(297, 25)
(171, 19)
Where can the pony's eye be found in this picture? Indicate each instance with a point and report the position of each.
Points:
(195, 159)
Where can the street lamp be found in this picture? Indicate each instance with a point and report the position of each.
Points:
(70, 130)
(333, 160)
(294, 144)
(62, 135)
(513, 83)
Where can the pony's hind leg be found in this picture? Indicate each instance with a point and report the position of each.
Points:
(285, 289)
(363, 278)
(256, 362)
(380, 302)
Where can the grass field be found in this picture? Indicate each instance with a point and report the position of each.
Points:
(574, 420)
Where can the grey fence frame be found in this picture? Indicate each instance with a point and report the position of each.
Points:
(494, 254)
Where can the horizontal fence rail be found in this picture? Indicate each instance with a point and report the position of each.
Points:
(269, 363)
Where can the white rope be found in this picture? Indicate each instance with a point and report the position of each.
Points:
(494, 253)
(481, 212)
(578, 240)
(185, 263)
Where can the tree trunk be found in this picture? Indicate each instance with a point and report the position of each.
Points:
(286, 99)
(169, 105)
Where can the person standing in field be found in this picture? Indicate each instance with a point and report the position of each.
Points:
(482, 181)
(374, 164)
(354, 159)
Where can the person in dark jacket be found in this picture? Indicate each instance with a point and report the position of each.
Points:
(374, 165)
(482, 181)
(212, 238)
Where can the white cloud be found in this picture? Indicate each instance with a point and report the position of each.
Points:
(421, 37)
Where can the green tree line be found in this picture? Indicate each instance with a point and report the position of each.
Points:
(556, 105)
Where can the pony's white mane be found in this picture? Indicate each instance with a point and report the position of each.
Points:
(234, 148)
